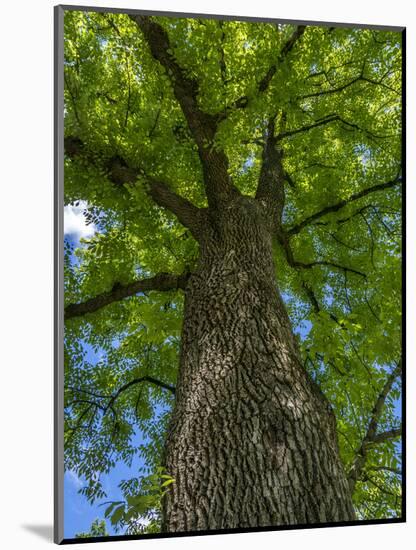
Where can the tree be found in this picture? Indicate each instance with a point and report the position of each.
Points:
(241, 292)
(98, 529)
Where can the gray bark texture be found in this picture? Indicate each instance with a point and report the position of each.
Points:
(252, 440)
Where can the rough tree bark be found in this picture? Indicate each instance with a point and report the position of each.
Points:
(252, 440)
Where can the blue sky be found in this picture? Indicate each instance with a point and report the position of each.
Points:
(78, 512)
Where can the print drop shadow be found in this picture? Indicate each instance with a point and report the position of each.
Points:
(43, 531)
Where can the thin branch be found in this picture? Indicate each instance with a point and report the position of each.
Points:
(332, 91)
(341, 204)
(287, 48)
(155, 123)
(223, 66)
(284, 240)
(358, 425)
(203, 126)
(385, 436)
(107, 96)
(342, 243)
(73, 100)
(326, 120)
(396, 471)
(74, 429)
(135, 381)
(346, 439)
(126, 118)
(312, 298)
(343, 268)
(380, 219)
(86, 401)
(347, 298)
(289, 180)
(243, 101)
(370, 232)
(321, 165)
(370, 307)
(160, 282)
(380, 488)
(341, 221)
(325, 73)
(342, 87)
(378, 407)
(88, 392)
(317, 308)
(371, 437)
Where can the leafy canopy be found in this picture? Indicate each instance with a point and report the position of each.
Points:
(335, 96)
(98, 529)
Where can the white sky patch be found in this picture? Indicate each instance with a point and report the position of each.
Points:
(75, 223)
(75, 480)
(144, 521)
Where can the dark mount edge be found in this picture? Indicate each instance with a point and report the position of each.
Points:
(58, 275)
(247, 18)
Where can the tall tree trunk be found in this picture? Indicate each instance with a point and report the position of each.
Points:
(252, 440)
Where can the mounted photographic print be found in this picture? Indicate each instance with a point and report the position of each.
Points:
(228, 274)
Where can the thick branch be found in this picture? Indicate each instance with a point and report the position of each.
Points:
(270, 188)
(371, 437)
(187, 213)
(203, 126)
(119, 172)
(337, 206)
(160, 282)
